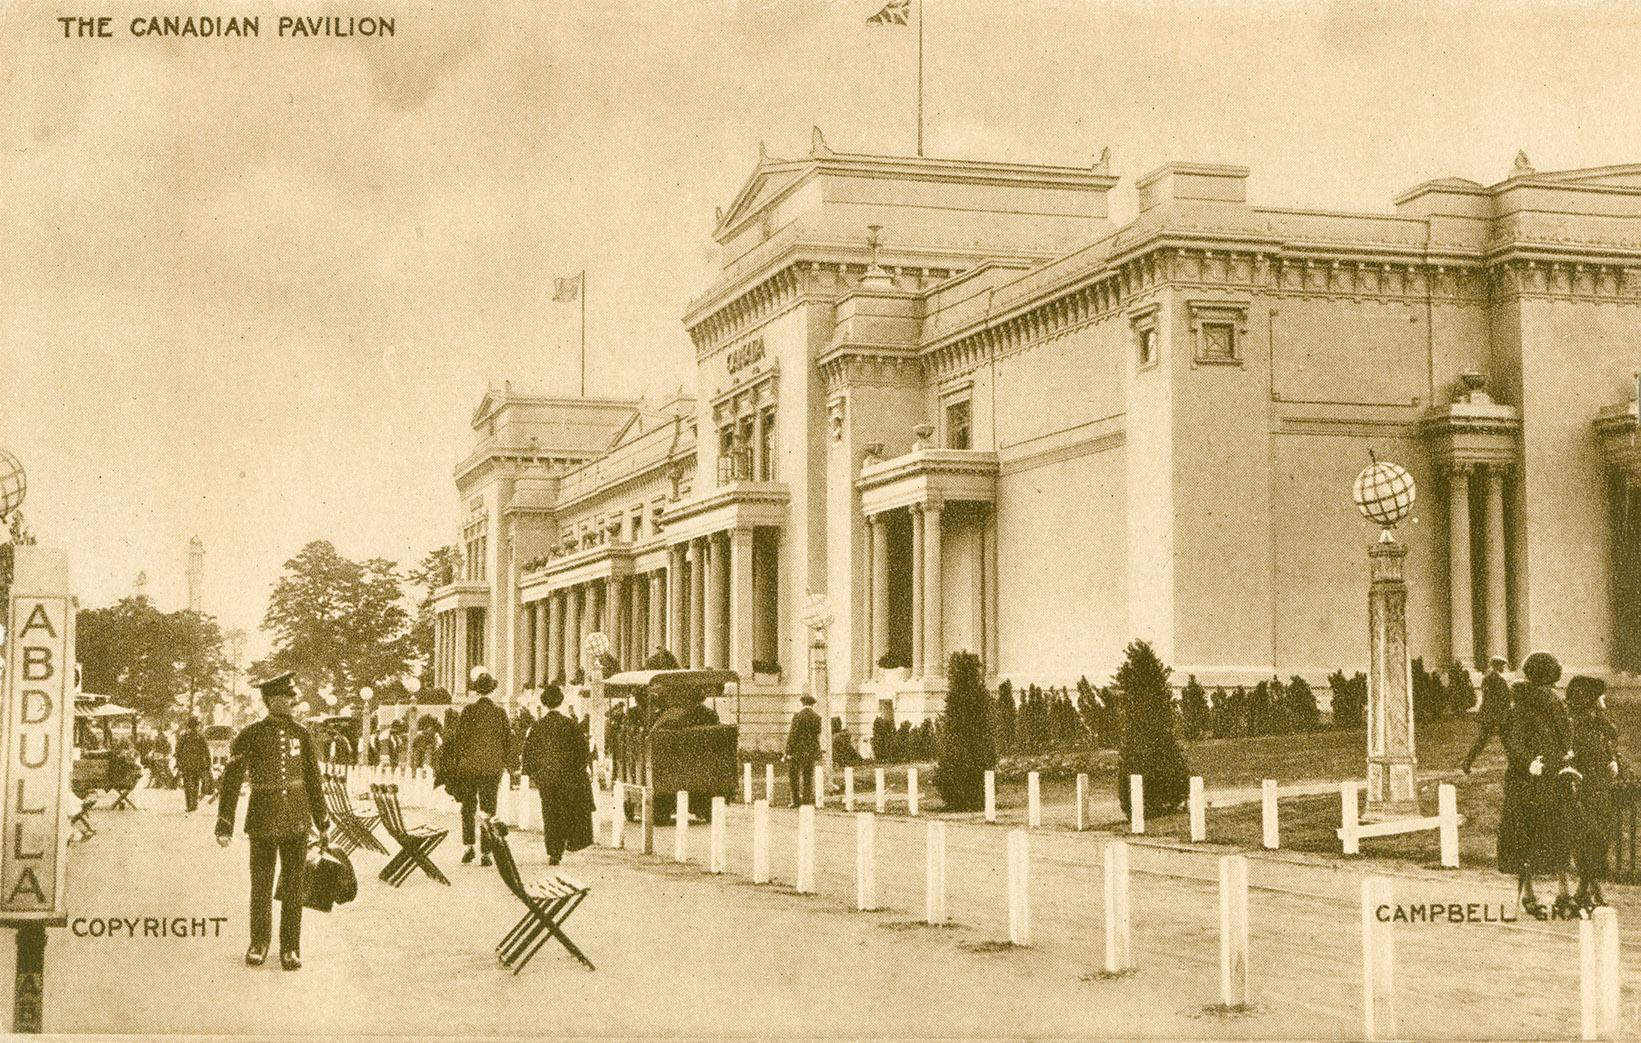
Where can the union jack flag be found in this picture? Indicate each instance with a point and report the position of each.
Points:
(895, 12)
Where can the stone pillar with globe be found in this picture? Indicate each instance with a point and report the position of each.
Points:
(594, 647)
(1384, 493)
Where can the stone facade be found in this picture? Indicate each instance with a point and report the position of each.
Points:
(955, 399)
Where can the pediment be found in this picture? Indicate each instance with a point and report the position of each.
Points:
(771, 180)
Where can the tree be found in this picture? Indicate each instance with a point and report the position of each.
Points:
(338, 622)
(1303, 714)
(1150, 748)
(436, 569)
(1349, 699)
(157, 663)
(1194, 709)
(1003, 718)
(966, 750)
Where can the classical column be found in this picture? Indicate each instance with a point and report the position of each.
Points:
(934, 592)
(594, 621)
(717, 656)
(977, 587)
(740, 601)
(917, 590)
(877, 526)
(1458, 565)
(677, 636)
(618, 619)
(994, 617)
(462, 623)
(572, 631)
(1392, 791)
(555, 636)
(1498, 605)
(653, 637)
(1515, 505)
(757, 442)
(441, 658)
(697, 604)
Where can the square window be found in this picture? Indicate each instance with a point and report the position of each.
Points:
(1218, 341)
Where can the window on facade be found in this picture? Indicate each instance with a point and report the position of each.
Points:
(766, 450)
(1147, 346)
(475, 546)
(959, 422)
(1218, 342)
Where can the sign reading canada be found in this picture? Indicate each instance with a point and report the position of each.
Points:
(38, 719)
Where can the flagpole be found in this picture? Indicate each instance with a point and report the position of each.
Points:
(583, 333)
(920, 78)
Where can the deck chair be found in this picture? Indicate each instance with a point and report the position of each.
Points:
(415, 844)
(130, 788)
(80, 822)
(547, 904)
(353, 829)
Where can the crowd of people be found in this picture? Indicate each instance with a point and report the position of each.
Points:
(1562, 764)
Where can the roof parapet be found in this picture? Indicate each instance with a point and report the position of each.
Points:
(1196, 182)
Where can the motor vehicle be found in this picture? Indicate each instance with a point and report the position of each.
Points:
(99, 726)
(655, 742)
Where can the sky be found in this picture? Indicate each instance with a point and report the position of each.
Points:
(252, 290)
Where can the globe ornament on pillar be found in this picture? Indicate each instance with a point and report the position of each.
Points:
(13, 484)
(1384, 492)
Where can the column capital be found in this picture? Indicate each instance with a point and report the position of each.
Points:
(1498, 469)
(1459, 468)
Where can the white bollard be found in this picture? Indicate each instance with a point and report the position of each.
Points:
(1082, 802)
(806, 849)
(1349, 842)
(769, 783)
(746, 783)
(1234, 989)
(618, 815)
(646, 819)
(849, 789)
(991, 796)
(1447, 809)
(1118, 929)
(911, 792)
(532, 806)
(1267, 796)
(1136, 803)
(1599, 982)
(820, 785)
(760, 842)
(680, 827)
(1378, 963)
(865, 861)
(504, 804)
(1034, 800)
(1199, 811)
(1019, 888)
(720, 817)
(880, 798)
(934, 874)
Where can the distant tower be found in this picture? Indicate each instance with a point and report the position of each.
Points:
(196, 575)
(141, 584)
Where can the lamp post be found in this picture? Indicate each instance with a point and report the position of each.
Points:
(594, 647)
(1384, 493)
(817, 615)
(367, 724)
(412, 684)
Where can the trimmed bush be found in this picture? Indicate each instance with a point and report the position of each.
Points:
(1194, 710)
(1429, 694)
(1303, 713)
(883, 739)
(1349, 699)
(1002, 728)
(1150, 747)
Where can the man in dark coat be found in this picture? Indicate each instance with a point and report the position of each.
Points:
(193, 762)
(1495, 706)
(803, 749)
(555, 758)
(286, 801)
(476, 756)
(1534, 829)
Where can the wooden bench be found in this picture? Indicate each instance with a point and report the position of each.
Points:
(415, 844)
(547, 904)
(353, 829)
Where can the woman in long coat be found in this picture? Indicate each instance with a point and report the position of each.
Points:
(555, 758)
(1595, 755)
(1534, 823)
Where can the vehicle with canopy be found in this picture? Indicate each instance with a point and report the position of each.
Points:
(664, 733)
(99, 727)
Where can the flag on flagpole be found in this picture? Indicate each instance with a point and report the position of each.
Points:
(567, 289)
(895, 12)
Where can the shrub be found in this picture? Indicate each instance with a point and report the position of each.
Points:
(1303, 714)
(1002, 728)
(1149, 746)
(1461, 694)
(1259, 709)
(1429, 694)
(1278, 721)
(1194, 711)
(883, 739)
(1349, 699)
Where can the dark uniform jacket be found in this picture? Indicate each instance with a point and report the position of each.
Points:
(803, 740)
(276, 755)
(482, 745)
(555, 752)
(193, 755)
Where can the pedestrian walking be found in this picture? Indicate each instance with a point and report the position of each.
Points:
(1535, 821)
(1495, 706)
(193, 763)
(1595, 755)
(802, 751)
(276, 754)
(475, 758)
(555, 758)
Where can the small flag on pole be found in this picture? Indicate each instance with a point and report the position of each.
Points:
(895, 12)
(567, 289)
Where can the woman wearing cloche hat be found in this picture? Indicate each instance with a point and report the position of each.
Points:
(1535, 821)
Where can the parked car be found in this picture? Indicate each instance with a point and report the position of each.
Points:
(700, 759)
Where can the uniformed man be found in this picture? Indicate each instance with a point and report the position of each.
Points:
(286, 800)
